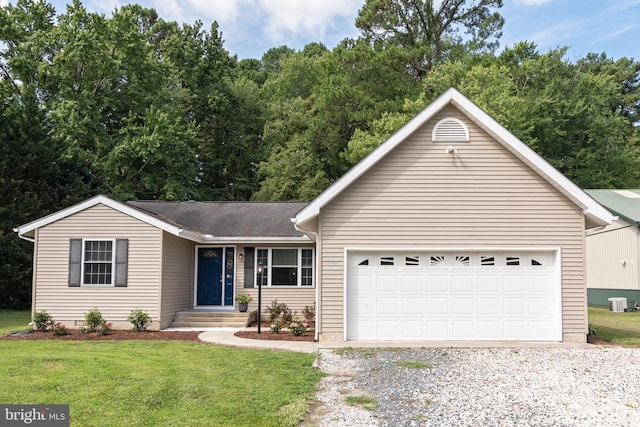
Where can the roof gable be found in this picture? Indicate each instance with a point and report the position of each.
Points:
(202, 222)
(595, 214)
(27, 230)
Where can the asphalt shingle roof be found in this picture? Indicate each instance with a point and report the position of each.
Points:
(227, 219)
(624, 203)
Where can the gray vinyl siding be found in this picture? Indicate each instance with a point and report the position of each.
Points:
(419, 196)
(69, 304)
(177, 277)
(606, 249)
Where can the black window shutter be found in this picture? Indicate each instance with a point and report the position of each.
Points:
(75, 261)
(248, 267)
(122, 258)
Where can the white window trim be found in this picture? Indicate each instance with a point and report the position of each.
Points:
(113, 263)
(269, 267)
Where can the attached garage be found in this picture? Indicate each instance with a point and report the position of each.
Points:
(451, 229)
(462, 295)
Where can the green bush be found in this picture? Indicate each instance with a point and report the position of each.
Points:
(275, 310)
(60, 329)
(42, 320)
(94, 320)
(139, 319)
(309, 313)
(299, 327)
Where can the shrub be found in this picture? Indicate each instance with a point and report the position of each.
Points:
(299, 327)
(42, 320)
(276, 326)
(287, 316)
(60, 329)
(275, 310)
(309, 312)
(139, 319)
(94, 320)
(105, 328)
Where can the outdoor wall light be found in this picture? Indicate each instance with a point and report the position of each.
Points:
(240, 256)
(451, 150)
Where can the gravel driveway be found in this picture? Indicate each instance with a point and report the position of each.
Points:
(597, 386)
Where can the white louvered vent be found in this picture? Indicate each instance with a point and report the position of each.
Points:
(450, 130)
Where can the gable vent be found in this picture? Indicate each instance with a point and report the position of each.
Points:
(450, 130)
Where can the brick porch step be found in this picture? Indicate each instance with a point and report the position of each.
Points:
(198, 319)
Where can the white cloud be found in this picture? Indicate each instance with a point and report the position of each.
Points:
(286, 18)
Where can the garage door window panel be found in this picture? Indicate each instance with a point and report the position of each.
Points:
(387, 261)
(438, 261)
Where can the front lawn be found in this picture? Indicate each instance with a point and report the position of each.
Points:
(617, 328)
(14, 320)
(151, 383)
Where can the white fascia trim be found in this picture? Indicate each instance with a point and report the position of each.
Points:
(215, 239)
(313, 208)
(590, 207)
(452, 96)
(26, 229)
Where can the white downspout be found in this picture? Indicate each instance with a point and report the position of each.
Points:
(317, 269)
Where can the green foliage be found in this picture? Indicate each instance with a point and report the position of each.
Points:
(365, 402)
(42, 320)
(278, 311)
(160, 382)
(94, 320)
(244, 298)
(420, 34)
(616, 328)
(14, 321)
(139, 319)
(573, 115)
(309, 312)
(59, 329)
(105, 328)
(298, 327)
(276, 326)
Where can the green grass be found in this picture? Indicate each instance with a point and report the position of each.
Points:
(151, 383)
(14, 320)
(413, 365)
(617, 328)
(365, 402)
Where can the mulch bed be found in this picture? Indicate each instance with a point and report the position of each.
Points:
(268, 335)
(76, 335)
(117, 335)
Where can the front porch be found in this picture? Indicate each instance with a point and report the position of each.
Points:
(199, 318)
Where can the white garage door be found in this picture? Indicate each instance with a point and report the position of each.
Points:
(453, 296)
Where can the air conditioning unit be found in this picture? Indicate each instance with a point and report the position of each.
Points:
(618, 305)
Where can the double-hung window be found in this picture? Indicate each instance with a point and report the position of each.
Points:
(94, 262)
(98, 262)
(284, 266)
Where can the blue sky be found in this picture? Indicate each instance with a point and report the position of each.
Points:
(251, 27)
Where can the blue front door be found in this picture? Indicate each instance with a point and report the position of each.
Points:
(209, 276)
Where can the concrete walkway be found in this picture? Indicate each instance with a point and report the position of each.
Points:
(225, 336)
